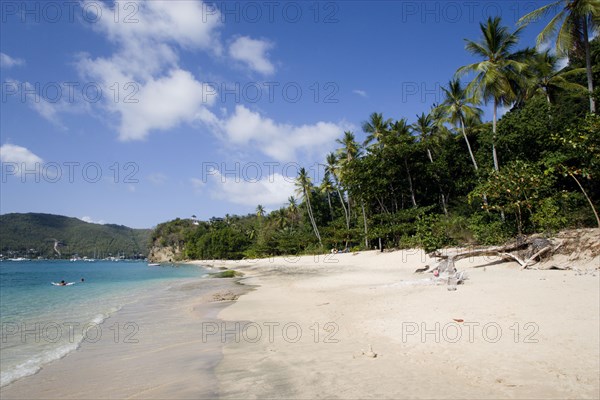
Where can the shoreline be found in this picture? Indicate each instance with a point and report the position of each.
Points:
(352, 325)
(149, 349)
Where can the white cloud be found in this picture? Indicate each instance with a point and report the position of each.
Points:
(279, 141)
(7, 61)
(272, 190)
(157, 178)
(198, 184)
(361, 93)
(154, 92)
(161, 104)
(89, 220)
(253, 53)
(20, 158)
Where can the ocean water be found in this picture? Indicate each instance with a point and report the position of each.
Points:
(41, 323)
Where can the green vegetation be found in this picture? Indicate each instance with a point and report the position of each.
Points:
(448, 177)
(227, 274)
(34, 235)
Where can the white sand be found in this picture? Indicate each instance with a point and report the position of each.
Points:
(525, 334)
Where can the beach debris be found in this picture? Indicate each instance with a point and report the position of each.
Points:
(225, 296)
(369, 353)
(322, 304)
(421, 270)
(525, 251)
(458, 320)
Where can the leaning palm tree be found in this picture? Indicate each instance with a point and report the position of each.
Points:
(304, 188)
(376, 127)
(327, 188)
(496, 73)
(332, 168)
(576, 19)
(458, 107)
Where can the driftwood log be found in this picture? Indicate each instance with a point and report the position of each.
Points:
(526, 252)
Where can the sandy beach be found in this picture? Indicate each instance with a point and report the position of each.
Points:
(505, 333)
(361, 325)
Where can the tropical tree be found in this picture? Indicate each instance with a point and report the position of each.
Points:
(327, 188)
(376, 127)
(304, 189)
(576, 19)
(332, 168)
(401, 138)
(260, 211)
(458, 106)
(496, 73)
(425, 127)
(544, 76)
(293, 209)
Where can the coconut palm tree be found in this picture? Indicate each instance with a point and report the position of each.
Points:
(457, 107)
(546, 78)
(496, 73)
(260, 211)
(293, 209)
(576, 19)
(327, 188)
(399, 134)
(425, 127)
(333, 169)
(376, 127)
(304, 189)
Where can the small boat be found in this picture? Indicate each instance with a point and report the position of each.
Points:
(153, 264)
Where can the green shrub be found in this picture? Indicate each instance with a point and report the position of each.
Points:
(488, 229)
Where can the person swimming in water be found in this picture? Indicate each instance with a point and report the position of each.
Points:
(63, 283)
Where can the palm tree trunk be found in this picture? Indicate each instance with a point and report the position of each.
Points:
(410, 184)
(587, 197)
(344, 206)
(588, 65)
(429, 155)
(464, 132)
(312, 218)
(495, 123)
(365, 222)
(442, 197)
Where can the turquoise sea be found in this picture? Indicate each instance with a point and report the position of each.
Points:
(41, 323)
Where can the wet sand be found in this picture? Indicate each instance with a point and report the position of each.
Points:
(152, 349)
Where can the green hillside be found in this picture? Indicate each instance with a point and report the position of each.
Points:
(34, 235)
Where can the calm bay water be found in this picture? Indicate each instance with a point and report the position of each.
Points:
(41, 322)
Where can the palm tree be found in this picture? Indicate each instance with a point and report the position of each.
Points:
(400, 134)
(260, 211)
(304, 188)
(333, 169)
(495, 75)
(545, 77)
(293, 209)
(349, 151)
(458, 106)
(376, 127)
(425, 128)
(576, 19)
(327, 188)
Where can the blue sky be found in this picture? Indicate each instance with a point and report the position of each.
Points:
(140, 112)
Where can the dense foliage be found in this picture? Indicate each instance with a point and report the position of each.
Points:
(447, 177)
(34, 235)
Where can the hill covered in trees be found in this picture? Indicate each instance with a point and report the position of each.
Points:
(446, 176)
(35, 235)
